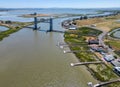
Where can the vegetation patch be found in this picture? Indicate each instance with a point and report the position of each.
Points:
(103, 23)
(12, 29)
(115, 44)
(101, 72)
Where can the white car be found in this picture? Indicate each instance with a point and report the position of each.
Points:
(117, 70)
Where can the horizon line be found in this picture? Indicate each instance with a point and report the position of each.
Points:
(56, 7)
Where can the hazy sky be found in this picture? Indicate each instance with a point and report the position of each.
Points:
(59, 3)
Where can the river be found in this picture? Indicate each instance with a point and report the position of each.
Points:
(31, 59)
(117, 34)
(2, 28)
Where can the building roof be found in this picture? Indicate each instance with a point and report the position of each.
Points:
(108, 57)
(116, 63)
(93, 42)
(72, 27)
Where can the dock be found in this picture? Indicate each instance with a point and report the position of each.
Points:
(86, 63)
(75, 51)
(103, 83)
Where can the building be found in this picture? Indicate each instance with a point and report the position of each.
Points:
(1, 22)
(72, 27)
(8, 22)
(5, 22)
(94, 41)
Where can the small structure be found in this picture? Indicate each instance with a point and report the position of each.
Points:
(93, 41)
(98, 48)
(1, 22)
(93, 25)
(8, 22)
(72, 28)
(5, 22)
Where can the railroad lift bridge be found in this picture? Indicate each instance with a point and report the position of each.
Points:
(50, 22)
(44, 20)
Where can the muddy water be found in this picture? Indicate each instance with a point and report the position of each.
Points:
(31, 59)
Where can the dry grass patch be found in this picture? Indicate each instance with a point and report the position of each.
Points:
(107, 26)
(89, 21)
(104, 24)
(113, 17)
(115, 44)
(89, 37)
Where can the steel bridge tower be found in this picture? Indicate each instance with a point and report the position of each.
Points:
(36, 21)
(51, 24)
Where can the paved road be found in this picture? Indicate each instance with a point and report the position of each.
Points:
(101, 40)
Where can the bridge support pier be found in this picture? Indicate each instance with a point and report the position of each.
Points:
(35, 22)
(51, 25)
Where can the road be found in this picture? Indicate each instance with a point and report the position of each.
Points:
(101, 40)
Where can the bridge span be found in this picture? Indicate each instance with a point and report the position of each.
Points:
(44, 20)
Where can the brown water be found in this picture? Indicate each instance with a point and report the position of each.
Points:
(31, 59)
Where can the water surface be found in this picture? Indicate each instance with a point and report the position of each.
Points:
(31, 58)
(2, 28)
(117, 34)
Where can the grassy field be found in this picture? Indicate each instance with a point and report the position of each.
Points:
(108, 26)
(105, 23)
(89, 21)
(115, 44)
(101, 72)
(12, 29)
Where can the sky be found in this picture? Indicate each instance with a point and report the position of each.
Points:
(59, 3)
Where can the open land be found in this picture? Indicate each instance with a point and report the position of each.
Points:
(93, 28)
(89, 29)
(105, 23)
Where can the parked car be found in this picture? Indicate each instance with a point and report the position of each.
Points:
(109, 57)
(116, 63)
(117, 70)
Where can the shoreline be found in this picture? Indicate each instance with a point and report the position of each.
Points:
(15, 31)
(12, 29)
(93, 73)
(111, 34)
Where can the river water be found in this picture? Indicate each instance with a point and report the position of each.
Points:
(2, 28)
(31, 59)
(117, 34)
